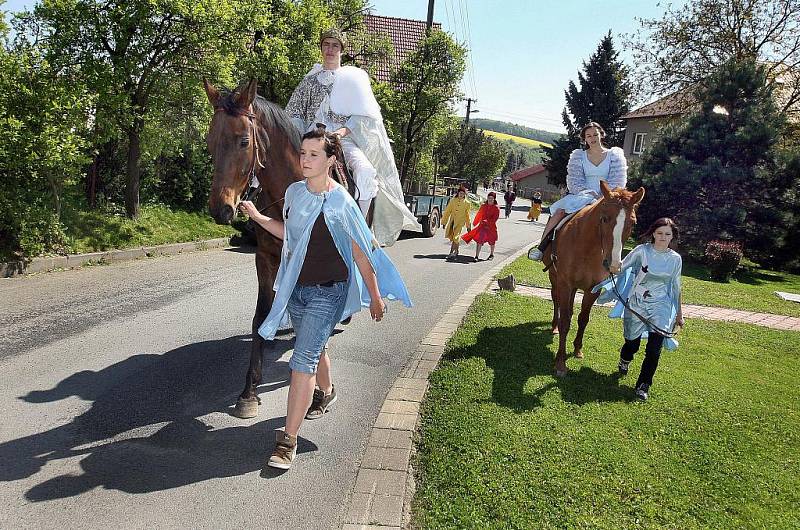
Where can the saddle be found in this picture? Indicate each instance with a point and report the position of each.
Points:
(554, 234)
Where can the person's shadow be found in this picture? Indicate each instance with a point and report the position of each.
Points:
(517, 353)
(175, 388)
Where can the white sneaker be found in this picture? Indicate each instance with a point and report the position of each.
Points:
(535, 254)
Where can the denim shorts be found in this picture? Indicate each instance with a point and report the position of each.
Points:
(315, 310)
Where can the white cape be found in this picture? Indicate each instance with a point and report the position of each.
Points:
(351, 95)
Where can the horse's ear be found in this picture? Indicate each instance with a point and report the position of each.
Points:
(638, 196)
(605, 189)
(211, 92)
(246, 94)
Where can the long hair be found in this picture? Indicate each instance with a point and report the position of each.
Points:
(333, 147)
(647, 236)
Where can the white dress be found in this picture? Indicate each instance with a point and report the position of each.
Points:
(572, 202)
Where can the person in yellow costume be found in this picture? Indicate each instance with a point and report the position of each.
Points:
(536, 207)
(455, 219)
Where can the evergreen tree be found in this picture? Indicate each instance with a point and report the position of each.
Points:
(603, 96)
(718, 174)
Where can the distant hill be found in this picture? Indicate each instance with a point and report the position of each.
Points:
(518, 139)
(515, 130)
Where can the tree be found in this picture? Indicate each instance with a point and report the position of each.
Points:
(131, 52)
(43, 120)
(427, 84)
(681, 48)
(471, 155)
(718, 173)
(603, 97)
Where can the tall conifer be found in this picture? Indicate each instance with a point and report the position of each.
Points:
(602, 95)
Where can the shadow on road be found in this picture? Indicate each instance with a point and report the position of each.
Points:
(175, 389)
(517, 353)
(461, 258)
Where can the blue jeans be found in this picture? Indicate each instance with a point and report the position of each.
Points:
(315, 310)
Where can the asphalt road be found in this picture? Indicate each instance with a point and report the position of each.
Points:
(117, 382)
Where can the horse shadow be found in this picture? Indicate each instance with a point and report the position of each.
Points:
(176, 389)
(515, 354)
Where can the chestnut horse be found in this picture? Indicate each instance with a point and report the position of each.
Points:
(586, 248)
(251, 137)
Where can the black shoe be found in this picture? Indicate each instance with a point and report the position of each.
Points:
(491, 257)
(622, 367)
(642, 392)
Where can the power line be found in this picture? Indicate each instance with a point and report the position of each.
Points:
(540, 117)
(469, 41)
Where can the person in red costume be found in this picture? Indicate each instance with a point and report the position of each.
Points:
(485, 223)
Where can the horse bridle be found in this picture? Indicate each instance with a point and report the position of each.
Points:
(250, 193)
(607, 266)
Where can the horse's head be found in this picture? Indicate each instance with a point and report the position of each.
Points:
(235, 147)
(617, 216)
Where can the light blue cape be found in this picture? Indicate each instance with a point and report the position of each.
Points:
(624, 282)
(346, 224)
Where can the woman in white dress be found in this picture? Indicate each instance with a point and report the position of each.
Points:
(586, 168)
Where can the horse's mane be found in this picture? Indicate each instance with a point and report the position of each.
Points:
(269, 114)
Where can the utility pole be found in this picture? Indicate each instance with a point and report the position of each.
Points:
(469, 105)
(429, 25)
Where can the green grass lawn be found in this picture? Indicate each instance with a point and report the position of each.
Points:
(105, 229)
(751, 288)
(504, 444)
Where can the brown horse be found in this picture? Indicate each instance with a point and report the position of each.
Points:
(587, 247)
(251, 137)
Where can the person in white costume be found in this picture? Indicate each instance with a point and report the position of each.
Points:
(340, 98)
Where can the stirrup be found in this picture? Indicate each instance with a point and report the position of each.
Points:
(535, 254)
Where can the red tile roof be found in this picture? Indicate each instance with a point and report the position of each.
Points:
(527, 172)
(404, 34)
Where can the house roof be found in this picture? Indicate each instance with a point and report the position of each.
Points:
(527, 172)
(404, 35)
(671, 105)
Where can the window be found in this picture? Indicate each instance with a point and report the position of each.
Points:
(638, 143)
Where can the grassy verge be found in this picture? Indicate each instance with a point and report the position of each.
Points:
(751, 288)
(106, 229)
(503, 444)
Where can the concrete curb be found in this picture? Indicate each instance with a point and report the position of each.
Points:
(385, 483)
(72, 261)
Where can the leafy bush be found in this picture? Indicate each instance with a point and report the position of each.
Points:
(43, 119)
(722, 258)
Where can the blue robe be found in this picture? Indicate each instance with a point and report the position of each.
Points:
(346, 224)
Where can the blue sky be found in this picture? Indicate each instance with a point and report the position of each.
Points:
(523, 52)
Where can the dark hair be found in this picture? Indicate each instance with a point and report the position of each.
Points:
(333, 147)
(592, 125)
(647, 236)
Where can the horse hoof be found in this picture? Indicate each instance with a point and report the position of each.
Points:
(579, 354)
(246, 408)
(554, 331)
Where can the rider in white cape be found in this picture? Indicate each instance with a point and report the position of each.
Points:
(341, 98)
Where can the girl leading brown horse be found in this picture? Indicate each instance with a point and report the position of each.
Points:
(254, 146)
(586, 248)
